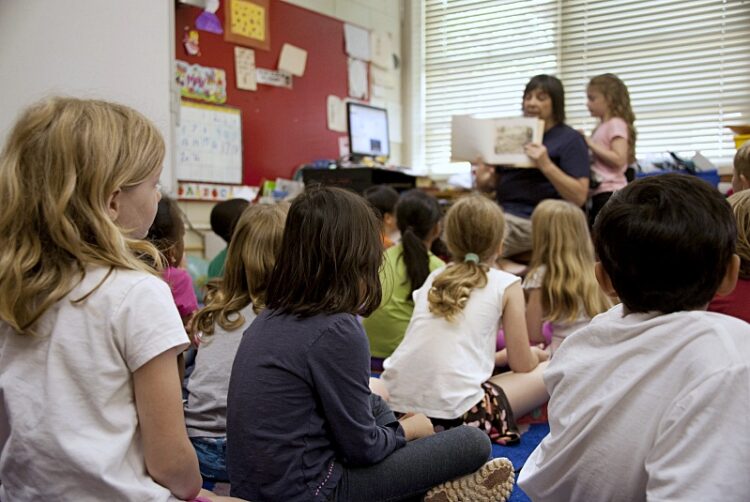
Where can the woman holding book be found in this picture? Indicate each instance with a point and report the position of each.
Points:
(561, 159)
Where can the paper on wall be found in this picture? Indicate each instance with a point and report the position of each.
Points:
(382, 77)
(378, 91)
(358, 82)
(274, 78)
(244, 68)
(336, 112)
(293, 60)
(381, 49)
(357, 42)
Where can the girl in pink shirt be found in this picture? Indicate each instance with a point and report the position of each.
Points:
(612, 143)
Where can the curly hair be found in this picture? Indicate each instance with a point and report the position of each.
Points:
(616, 95)
(740, 203)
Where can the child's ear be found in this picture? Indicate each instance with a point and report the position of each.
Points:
(602, 277)
(113, 204)
(729, 281)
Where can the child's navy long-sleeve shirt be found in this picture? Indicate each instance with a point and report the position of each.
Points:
(299, 407)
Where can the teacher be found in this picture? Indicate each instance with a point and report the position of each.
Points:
(562, 166)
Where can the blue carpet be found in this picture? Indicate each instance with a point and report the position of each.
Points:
(518, 454)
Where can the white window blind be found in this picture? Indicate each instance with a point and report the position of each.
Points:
(478, 56)
(685, 63)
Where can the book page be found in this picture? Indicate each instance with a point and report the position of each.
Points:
(496, 141)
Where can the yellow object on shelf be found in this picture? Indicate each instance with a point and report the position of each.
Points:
(741, 139)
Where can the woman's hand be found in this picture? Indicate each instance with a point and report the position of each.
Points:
(538, 153)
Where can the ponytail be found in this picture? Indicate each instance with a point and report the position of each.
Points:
(451, 289)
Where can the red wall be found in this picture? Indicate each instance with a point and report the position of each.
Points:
(281, 128)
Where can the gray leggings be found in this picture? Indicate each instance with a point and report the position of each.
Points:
(407, 473)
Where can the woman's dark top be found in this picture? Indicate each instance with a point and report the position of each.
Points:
(518, 191)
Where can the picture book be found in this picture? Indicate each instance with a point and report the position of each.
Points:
(497, 141)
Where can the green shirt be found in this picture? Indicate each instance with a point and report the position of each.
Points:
(216, 267)
(386, 326)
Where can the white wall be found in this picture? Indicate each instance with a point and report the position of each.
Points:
(108, 49)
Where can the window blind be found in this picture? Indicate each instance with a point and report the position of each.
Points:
(685, 63)
(478, 56)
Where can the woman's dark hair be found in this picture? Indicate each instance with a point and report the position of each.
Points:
(554, 89)
(417, 213)
(381, 197)
(224, 217)
(666, 242)
(167, 230)
(330, 255)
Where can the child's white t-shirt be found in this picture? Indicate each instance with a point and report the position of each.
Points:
(439, 367)
(68, 420)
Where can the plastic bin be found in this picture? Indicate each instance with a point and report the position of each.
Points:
(711, 176)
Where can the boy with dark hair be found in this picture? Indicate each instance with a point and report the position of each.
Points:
(639, 394)
(224, 216)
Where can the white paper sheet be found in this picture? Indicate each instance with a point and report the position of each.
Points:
(292, 60)
(336, 112)
(244, 68)
(381, 49)
(357, 42)
(358, 82)
(386, 78)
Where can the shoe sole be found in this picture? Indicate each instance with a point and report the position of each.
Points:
(493, 482)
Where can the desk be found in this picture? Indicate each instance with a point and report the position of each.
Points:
(359, 178)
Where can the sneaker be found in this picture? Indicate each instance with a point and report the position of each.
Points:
(493, 482)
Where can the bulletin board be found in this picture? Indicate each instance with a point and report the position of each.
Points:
(281, 128)
(209, 144)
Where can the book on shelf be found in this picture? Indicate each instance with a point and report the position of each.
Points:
(497, 141)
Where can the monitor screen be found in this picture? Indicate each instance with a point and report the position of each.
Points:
(368, 130)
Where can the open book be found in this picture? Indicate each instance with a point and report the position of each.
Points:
(497, 141)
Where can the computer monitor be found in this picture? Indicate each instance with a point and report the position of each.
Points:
(368, 130)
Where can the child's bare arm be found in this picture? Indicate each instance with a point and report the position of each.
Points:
(617, 156)
(521, 358)
(170, 458)
(534, 315)
(416, 426)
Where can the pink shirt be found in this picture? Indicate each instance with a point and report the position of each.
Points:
(611, 178)
(182, 290)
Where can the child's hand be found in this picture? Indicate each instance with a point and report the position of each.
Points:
(416, 426)
(541, 354)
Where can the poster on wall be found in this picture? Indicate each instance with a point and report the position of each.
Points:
(201, 82)
(209, 144)
(244, 69)
(246, 22)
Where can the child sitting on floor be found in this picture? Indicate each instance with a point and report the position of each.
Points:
(301, 421)
(737, 303)
(384, 199)
(560, 286)
(167, 233)
(232, 303)
(444, 366)
(641, 394)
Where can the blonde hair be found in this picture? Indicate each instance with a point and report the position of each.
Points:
(616, 94)
(742, 160)
(473, 225)
(561, 243)
(740, 203)
(63, 160)
(251, 256)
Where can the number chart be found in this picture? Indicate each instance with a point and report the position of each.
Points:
(209, 144)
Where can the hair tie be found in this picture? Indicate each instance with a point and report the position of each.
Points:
(471, 257)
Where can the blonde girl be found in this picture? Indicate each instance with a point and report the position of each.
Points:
(444, 366)
(89, 334)
(613, 141)
(232, 303)
(561, 287)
